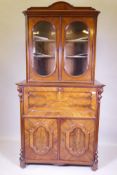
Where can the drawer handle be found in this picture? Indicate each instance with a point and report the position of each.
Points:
(60, 89)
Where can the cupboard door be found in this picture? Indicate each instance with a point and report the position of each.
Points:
(78, 53)
(40, 139)
(77, 140)
(43, 52)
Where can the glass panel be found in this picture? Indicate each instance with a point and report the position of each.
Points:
(76, 48)
(44, 45)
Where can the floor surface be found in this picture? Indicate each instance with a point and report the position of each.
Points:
(9, 163)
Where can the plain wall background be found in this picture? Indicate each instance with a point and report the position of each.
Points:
(12, 63)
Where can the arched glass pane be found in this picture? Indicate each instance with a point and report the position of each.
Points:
(44, 43)
(76, 48)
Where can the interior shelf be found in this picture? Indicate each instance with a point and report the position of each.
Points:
(42, 39)
(39, 55)
(82, 39)
(77, 56)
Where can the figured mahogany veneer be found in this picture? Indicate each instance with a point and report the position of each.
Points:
(59, 101)
(59, 125)
(60, 111)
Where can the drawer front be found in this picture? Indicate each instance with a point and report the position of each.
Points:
(40, 139)
(77, 140)
(74, 102)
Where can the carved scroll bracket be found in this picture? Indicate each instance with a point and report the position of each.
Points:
(20, 90)
(99, 94)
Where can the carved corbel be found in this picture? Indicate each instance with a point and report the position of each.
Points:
(99, 94)
(20, 90)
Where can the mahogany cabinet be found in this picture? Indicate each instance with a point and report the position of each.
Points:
(60, 99)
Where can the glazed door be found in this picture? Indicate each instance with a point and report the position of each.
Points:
(77, 140)
(77, 49)
(43, 49)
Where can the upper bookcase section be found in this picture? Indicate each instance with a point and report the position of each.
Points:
(61, 8)
(60, 43)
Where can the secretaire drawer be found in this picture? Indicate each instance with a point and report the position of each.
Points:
(60, 101)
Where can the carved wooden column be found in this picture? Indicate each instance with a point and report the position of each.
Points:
(99, 96)
(22, 159)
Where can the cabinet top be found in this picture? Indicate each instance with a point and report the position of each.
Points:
(96, 84)
(61, 8)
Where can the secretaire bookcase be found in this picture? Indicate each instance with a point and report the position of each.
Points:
(60, 99)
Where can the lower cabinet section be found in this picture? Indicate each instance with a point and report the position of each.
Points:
(59, 125)
(69, 140)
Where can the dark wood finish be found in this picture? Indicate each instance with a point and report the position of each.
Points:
(59, 113)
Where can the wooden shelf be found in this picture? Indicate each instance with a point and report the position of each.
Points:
(75, 41)
(42, 55)
(77, 56)
(42, 39)
(78, 40)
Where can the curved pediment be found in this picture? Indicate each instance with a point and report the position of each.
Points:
(61, 8)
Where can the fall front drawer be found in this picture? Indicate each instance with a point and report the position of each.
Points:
(60, 101)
